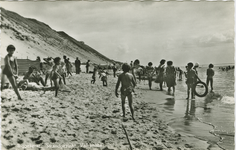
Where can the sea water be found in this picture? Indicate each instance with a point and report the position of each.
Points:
(209, 118)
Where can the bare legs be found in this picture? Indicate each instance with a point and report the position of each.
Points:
(130, 99)
(13, 83)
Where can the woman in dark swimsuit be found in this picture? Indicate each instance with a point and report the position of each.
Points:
(10, 70)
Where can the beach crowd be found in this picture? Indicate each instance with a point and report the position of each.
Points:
(57, 70)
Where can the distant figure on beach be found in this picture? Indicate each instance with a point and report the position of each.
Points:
(191, 78)
(40, 63)
(136, 70)
(48, 68)
(127, 87)
(77, 65)
(180, 73)
(87, 66)
(10, 70)
(69, 67)
(62, 72)
(210, 73)
(149, 72)
(103, 76)
(160, 73)
(34, 76)
(55, 76)
(114, 68)
(66, 62)
(170, 76)
(94, 75)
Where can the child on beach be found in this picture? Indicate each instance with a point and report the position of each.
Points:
(150, 71)
(55, 76)
(33, 76)
(103, 76)
(62, 72)
(191, 78)
(127, 85)
(210, 73)
(94, 75)
(170, 76)
(48, 68)
(10, 70)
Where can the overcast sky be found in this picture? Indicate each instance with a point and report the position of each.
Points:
(179, 31)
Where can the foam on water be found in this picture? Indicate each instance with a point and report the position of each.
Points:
(228, 100)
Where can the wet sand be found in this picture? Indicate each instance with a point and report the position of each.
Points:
(89, 117)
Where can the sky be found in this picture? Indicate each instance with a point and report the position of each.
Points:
(182, 32)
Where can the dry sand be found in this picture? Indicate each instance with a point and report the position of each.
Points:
(89, 117)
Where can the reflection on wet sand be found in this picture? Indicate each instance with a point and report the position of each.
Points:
(190, 112)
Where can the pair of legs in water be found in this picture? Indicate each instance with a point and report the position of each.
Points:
(211, 82)
(190, 89)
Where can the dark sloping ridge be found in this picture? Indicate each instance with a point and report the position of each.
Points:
(83, 46)
(47, 34)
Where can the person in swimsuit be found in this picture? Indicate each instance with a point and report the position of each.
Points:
(10, 70)
(170, 76)
(127, 85)
(55, 76)
(150, 72)
(160, 73)
(33, 76)
(191, 78)
(210, 73)
(94, 75)
(48, 68)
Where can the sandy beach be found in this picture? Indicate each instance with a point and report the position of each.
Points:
(89, 117)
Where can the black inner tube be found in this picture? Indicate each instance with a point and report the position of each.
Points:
(200, 85)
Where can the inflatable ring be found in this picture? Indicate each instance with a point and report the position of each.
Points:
(200, 89)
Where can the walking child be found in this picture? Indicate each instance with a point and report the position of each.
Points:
(10, 70)
(128, 83)
(103, 76)
(94, 75)
(210, 73)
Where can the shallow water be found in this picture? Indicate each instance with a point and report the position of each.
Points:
(209, 118)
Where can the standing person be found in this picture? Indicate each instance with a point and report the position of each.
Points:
(77, 65)
(170, 76)
(55, 76)
(94, 75)
(114, 70)
(69, 67)
(210, 73)
(127, 86)
(136, 70)
(191, 78)
(66, 62)
(149, 71)
(10, 70)
(40, 63)
(160, 73)
(87, 66)
(180, 74)
(62, 72)
(48, 68)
